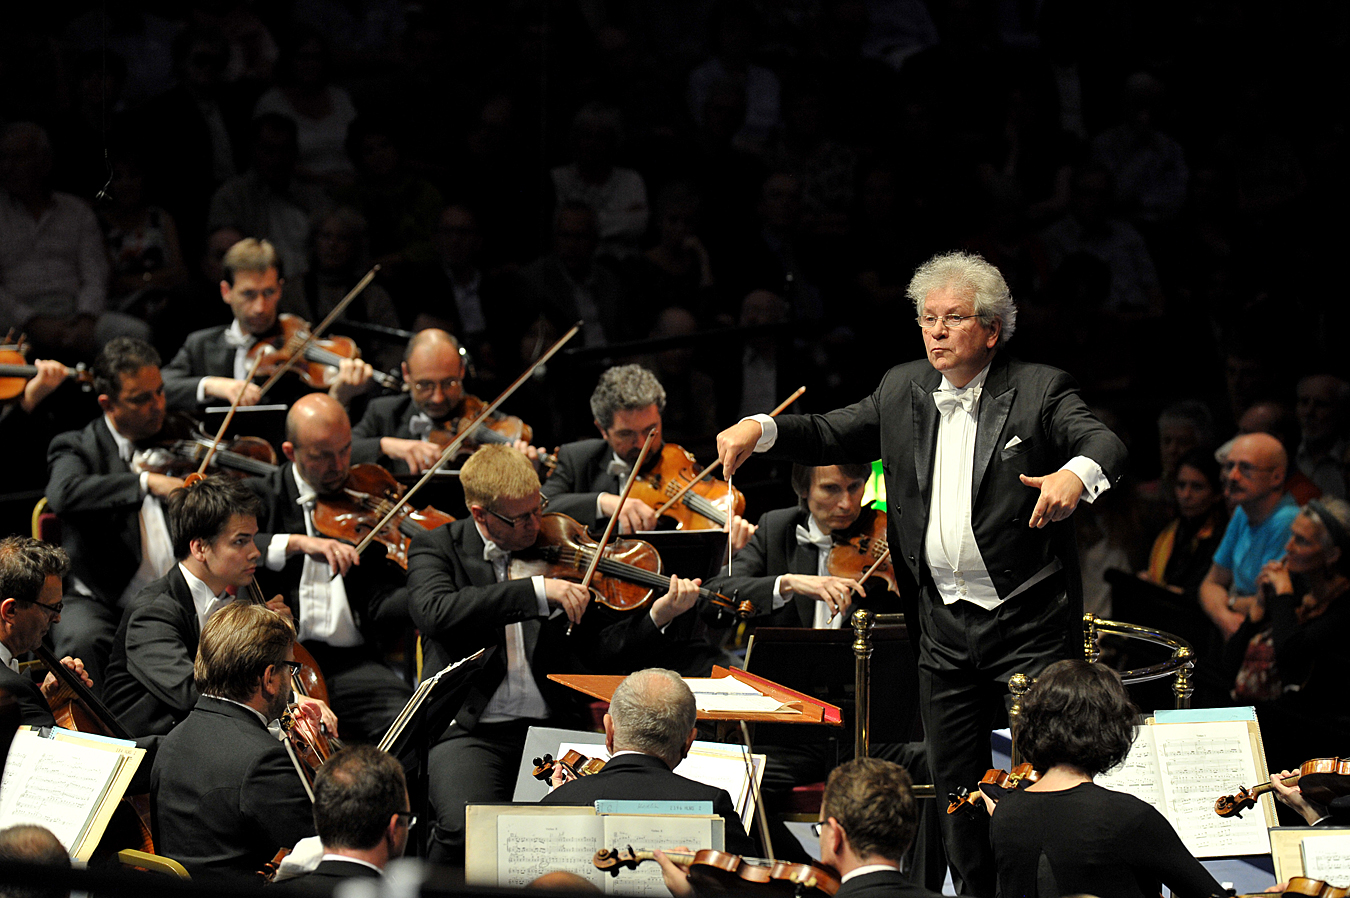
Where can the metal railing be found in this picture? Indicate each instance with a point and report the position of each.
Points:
(1179, 665)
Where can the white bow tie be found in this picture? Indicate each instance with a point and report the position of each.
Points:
(824, 542)
(307, 496)
(619, 468)
(947, 401)
(239, 340)
(420, 425)
(492, 553)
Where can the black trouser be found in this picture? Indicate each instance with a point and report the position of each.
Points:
(966, 655)
(86, 631)
(363, 692)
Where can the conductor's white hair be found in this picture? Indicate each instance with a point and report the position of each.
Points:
(967, 273)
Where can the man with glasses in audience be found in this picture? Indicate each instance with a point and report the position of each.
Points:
(1253, 485)
(466, 596)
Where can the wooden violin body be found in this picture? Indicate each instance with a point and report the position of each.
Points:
(993, 785)
(369, 493)
(857, 550)
(318, 366)
(1320, 780)
(703, 507)
(574, 762)
(15, 372)
(182, 447)
(711, 870)
(1305, 887)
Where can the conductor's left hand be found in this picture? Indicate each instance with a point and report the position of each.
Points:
(1060, 492)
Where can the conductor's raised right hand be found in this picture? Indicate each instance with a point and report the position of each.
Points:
(737, 443)
(571, 597)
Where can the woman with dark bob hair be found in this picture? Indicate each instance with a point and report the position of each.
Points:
(1065, 835)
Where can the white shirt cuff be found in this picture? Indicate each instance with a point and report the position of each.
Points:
(770, 434)
(779, 600)
(145, 483)
(1094, 481)
(276, 551)
(201, 390)
(540, 594)
(652, 615)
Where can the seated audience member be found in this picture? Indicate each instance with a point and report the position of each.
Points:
(568, 285)
(463, 600)
(211, 367)
(341, 602)
(1183, 427)
(31, 844)
(618, 195)
(112, 516)
(1065, 835)
(30, 602)
(361, 816)
(1321, 411)
(1253, 475)
(150, 684)
(1277, 419)
(649, 728)
(868, 816)
(1287, 657)
(224, 793)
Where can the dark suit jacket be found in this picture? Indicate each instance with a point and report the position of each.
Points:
(581, 476)
(647, 777)
(224, 795)
(323, 879)
(204, 354)
(1036, 403)
(774, 551)
(882, 884)
(33, 708)
(148, 683)
(99, 501)
(545, 285)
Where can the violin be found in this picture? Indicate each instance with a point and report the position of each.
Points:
(703, 506)
(626, 577)
(370, 492)
(574, 762)
(1320, 780)
(183, 446)
(1308, 888)
(717, 871)
(15, 372)
(857, 550)
(320, 358)
(993, 785)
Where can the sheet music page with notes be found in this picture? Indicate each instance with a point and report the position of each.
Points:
(1328, 858)
(1182, 769)
(650, 833)
(529, 846)
(56, 784)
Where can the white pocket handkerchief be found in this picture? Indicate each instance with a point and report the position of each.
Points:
(1011, 443)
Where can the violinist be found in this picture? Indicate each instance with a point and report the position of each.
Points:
(211, 366)
(433, 370)
(214, 525)
(224, 792)
(649, 728)
(30, 602)
(341, 602)
(627, 405)
(463, 600)
(113, 524)
(1334, 813)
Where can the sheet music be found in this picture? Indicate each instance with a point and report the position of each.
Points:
(1139, 775)
(530, 846)
(1328, 858)
(55, 784)
(648, 834)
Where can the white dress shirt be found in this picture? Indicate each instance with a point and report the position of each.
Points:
(156, 543)
(204, 600)
(518, 696)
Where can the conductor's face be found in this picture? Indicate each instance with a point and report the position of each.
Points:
(959, 351)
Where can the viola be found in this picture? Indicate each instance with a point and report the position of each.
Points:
(369, 493)
(627, 575)
(703, 506)
(857, 551)
(994, 784)
(495, 428)
(1320, 780)
(182, 447)
(574, 762)
(718, 871)
(319, 357)
(15, 372)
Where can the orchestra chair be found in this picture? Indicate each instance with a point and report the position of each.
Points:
(154, 863)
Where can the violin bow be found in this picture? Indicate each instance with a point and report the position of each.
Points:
(234, 406)
(614, 518)
(464, 433)
(314, 332)
(782, 406)
(754, 790)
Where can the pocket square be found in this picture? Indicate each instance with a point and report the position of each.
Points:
(1011, 443)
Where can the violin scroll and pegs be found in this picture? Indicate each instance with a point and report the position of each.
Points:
(612, 860)
(1233, 805)
(543, 768)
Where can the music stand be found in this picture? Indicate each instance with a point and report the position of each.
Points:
(266, 421)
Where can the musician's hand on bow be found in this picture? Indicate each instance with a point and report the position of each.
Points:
(1060, 492)
(278, 604)
(837, 592)
(673, 875)
(318, 712)
(50, 375)
(679, 598)
(354, 377)
(571, 597)
(418, 455)
(52, 688)
(737, 443)
(226, 388)
(634, 516)
(161, 485)
(741, 531)
(339, 555)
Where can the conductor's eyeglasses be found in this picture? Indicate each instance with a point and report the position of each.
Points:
(928, 322)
